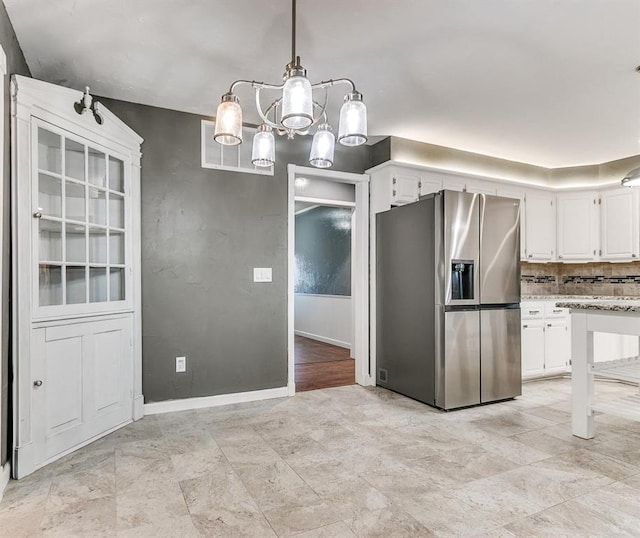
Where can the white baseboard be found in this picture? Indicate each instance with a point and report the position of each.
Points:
(138, 407)
(5, 475)
(324, 339)
(185, 404)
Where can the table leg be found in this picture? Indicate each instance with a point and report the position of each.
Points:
(581, 379)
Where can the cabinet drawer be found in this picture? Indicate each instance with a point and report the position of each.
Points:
(532, 311)
(552, 311)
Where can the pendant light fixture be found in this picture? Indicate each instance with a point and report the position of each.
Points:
(632, 179)
(294, 111)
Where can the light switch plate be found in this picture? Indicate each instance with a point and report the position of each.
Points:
(181, 364)
(262, 274)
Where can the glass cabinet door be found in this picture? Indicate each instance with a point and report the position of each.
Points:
(82, 227)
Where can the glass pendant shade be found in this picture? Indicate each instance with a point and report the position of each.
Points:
(228, 121)
(632, 179)
(263, 153)
(352, 130)
(297, 103)
(322, 147)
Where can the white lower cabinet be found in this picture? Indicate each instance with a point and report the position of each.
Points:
(557, 346)
(546, 339)
(533, 348)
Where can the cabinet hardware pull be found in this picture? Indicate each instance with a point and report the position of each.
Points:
(525, 326)
(37, 383)
(534, 311)
(548, 324)
(37, 215)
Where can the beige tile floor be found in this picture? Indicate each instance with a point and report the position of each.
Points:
(343, 462)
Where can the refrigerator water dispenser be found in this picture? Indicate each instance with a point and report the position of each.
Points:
(461, 280)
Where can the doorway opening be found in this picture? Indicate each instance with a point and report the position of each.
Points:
(323, 309)
(328, 296)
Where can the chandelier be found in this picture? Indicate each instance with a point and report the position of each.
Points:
(300, 106)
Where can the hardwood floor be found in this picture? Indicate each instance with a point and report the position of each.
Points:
(320, 365)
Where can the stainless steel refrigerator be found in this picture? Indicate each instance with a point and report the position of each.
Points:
(448, 299)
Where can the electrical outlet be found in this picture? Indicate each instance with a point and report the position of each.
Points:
(181, 364)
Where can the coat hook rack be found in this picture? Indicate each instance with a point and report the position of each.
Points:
(88, 104)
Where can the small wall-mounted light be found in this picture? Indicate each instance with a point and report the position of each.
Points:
(88, 104)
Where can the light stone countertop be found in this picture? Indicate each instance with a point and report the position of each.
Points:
(579, 298)
(615, 305)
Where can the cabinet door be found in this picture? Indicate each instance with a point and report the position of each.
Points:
(557, 346)
(620, 224)
(518, 195)
(532, 348)
(454, 184)
(577, 226)
(430, 184)
(541, 227)
(404, 189)
(481, 187)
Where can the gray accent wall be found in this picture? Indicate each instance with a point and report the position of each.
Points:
(203, 232)
(323, 251)
(15, 65)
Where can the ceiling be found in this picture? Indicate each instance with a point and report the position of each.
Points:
(546, 82)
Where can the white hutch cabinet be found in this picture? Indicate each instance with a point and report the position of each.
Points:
(76, 266)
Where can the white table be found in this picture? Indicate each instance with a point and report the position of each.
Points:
(618, 317)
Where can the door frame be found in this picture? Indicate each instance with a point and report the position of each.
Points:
(5, 469)
(360, 281)
(33, 98)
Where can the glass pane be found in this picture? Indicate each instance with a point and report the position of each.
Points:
(74, 201)
(97, 206)
(230, 155)
(50, 277)
(116, 174)
(74, 159)
(49, 195)
(97, 284)
(75, 244)
(49, 151)
(116, 211)
(76, 285)
(50, 240)
(116, 247)
(97, 168)
(116, 284)
(97, 245)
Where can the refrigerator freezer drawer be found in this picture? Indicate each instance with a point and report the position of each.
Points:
(460, 375)
(501, 375)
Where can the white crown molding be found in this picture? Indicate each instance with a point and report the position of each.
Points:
(48, 101)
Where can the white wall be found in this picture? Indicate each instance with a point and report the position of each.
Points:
(324, 317)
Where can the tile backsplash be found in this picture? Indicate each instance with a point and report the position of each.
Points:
(596, 278)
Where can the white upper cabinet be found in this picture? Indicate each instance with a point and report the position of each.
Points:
(540, 226)
(481, 187)
(454, 184)
(619, 223)
(577, 226)
(405, 188)
(430, 183)
(518, 194)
